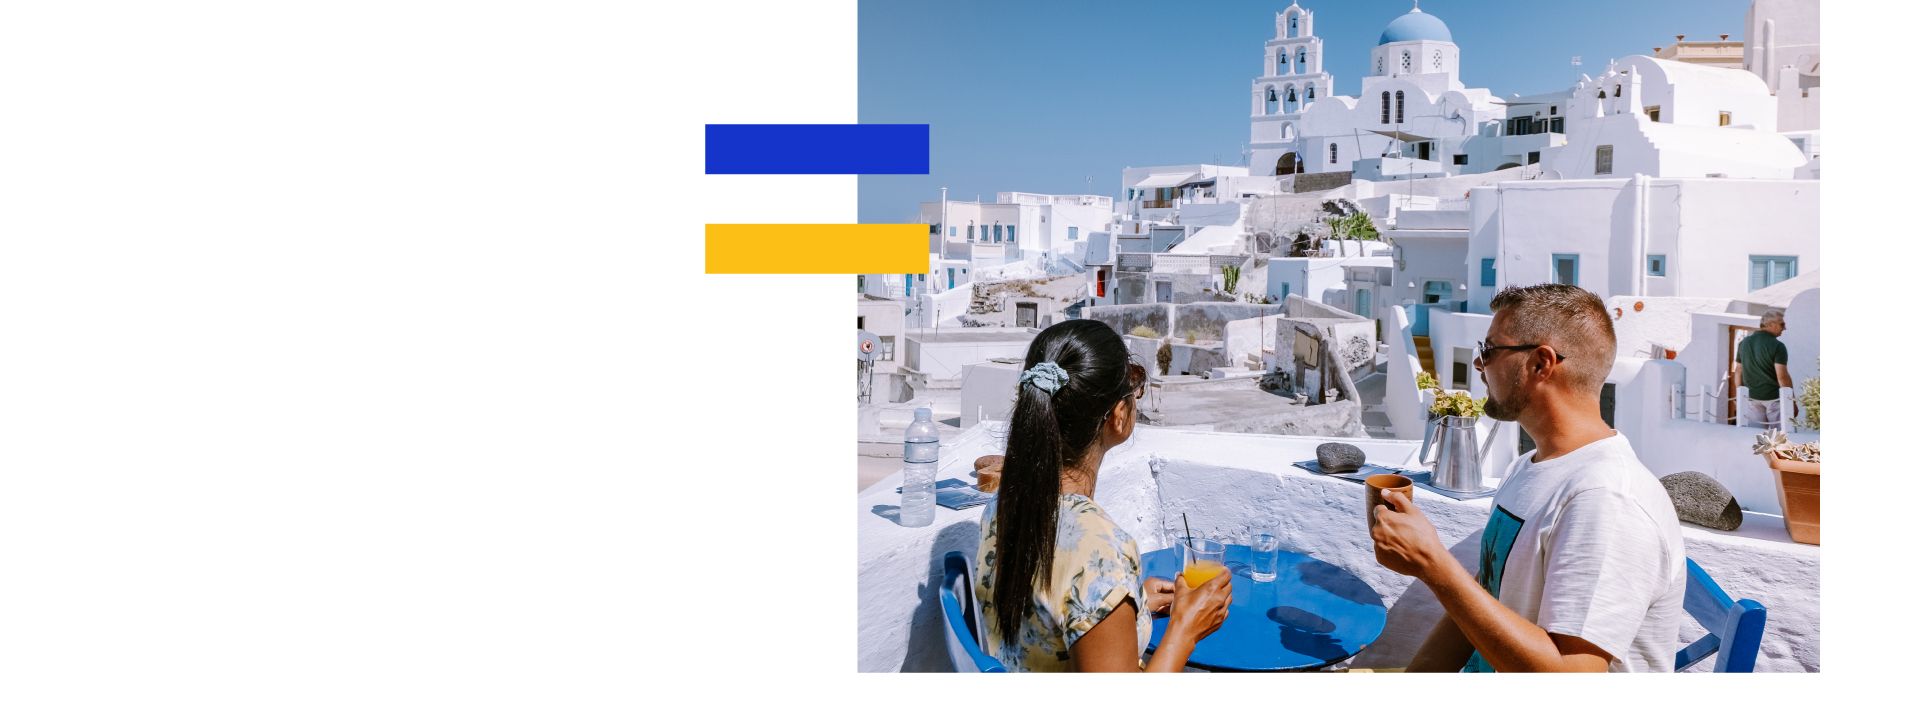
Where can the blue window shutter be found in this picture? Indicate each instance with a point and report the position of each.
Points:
(1486, 272)
(1010, 234)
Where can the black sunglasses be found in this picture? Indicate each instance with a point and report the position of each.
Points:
(1486, 351)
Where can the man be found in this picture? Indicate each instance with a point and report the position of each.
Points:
(1581, 564)
(1760, 364)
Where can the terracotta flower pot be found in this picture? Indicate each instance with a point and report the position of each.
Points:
(1799, 486)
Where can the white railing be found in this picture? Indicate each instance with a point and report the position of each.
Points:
(1683, 405)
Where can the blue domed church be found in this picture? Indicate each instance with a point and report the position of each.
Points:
(1412, 116)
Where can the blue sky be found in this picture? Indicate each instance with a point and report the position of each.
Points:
(1040, 96)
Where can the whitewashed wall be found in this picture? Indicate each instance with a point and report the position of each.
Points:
(943, 361)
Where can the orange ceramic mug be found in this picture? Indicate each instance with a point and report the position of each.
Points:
(1377, 484)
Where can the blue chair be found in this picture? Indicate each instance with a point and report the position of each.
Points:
(1733, 628)
(960, 626)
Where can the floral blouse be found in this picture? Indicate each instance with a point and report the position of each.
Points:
(1095, 566)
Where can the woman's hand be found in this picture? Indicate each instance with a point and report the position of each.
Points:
(1159, 595)
(1197, 612)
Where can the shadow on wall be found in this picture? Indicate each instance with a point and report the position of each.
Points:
(926, 644)
(1414, 615)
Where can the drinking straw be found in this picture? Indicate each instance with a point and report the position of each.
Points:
(1183, 521)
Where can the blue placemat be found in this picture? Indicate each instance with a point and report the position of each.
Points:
(1422, 479)
(956, 494)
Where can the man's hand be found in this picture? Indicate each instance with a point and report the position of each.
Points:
(1159, 595)
(1404, 540)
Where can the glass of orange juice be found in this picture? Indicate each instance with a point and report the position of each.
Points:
(1204, 559)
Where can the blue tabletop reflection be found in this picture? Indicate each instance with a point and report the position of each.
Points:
(1312, 615)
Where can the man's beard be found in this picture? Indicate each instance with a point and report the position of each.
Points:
(1509, 409)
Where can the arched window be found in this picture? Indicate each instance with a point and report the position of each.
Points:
(1386, 108)
(1273, 101)
(1406, 61)
(1399, 106)
(1301, 61)
(1281, 69)
(1309, 92)
(1333, 153)
(1286, 131)
(1616, 91)
(1293, 100)
(1293, 26)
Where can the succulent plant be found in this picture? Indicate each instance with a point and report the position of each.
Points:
(1425, 381)
(1774, 442)
(1457, 404)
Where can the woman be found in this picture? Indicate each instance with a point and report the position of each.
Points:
(1060, 584)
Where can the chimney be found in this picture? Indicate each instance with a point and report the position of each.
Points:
(1656, 50)
(1723, 37)
(1678, 38)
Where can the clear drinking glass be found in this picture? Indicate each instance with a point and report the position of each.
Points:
(1204, 559)
(1265, 544)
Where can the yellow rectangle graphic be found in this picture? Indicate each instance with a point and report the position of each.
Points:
(817, 249)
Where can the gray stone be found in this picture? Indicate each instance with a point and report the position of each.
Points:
(1339, 457)
(1701, 500)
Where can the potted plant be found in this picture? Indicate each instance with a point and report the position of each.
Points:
(1456, 453)
(1796, 475)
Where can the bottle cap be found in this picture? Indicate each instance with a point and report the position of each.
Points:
(922, 414)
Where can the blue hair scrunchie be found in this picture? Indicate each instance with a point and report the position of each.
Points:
(1046, 376)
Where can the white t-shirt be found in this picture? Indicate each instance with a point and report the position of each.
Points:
(1587, 544)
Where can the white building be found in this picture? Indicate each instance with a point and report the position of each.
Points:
(1783, 49)
(1670, 120)
(1642, 236)
(1162, 193)
(885, 318)
(1413, 107)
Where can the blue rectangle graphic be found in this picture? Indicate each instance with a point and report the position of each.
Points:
(818, 149)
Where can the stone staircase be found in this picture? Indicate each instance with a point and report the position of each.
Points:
(1423, 346)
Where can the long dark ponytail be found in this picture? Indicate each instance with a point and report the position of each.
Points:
(1049, 431)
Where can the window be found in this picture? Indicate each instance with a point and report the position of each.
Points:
(861, 323)
(952, 231)
(969, 231)
(1533, 157)
(1459, 159)
(1073, 232)
(1010, 237)
(1726, 118)
(1603, 160)
(1436, 291)
(1386, 108)
(1486, 272)
(1379, 65)
(1100, 283)
(1616, 91)
(1399, 106)
(1765, 270)
(1566, 269)
(861, 280)
(950, 282)
(1406, 62)
(1653, 113)
(996, 232)
(1436, 59)
(934, 229)
(1558, 125)
(1657, 265)
(1553, 109)
(909, 285)
(886, 348)
(1333, 153)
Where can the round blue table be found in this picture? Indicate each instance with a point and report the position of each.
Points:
(1312, 615)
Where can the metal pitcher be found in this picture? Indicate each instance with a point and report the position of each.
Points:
(1450, 451)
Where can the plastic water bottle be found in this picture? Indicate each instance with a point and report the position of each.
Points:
(923, 456)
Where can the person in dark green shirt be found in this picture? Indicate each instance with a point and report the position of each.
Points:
(1760, 365)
